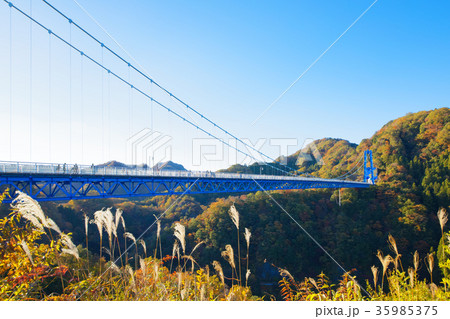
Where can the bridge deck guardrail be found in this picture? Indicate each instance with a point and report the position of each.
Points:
(92, 170)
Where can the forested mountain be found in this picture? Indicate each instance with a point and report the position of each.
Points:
(412, 154)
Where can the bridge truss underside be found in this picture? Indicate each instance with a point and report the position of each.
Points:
(53, 188)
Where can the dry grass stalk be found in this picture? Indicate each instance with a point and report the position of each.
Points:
(155, 270)
(129, 270)
(25, 204)
(131, 237)
(393, 247)
(158, 225)
(33, 220)
(443, 218)
(86, 223)
(247, 275)
(183, 293)
(98, 221)
(219, 270)
(180, 234)
(433, 289)
(187, 286)
(108, 223)
(311, 280)
(174, 250)
(247, 235)
(52, 225)
(180, 281)
(86, 227)
(430, 264)
(118, 218)
(228, 255)
(286, 273)
(158, 238)
(143, 266)
(178, 256)
(144, 246)
(416, 261)
(385, 261)
(123, 223)
(375, 276)
(234, 214)
(30, 210)
(125, 242)
(196, 246)
(107, 251)
(412, 277)
(192, 260)
(202, 293)
(86, 230)
(115, 268)
(68, 246)
(207, 273)
(25, 248)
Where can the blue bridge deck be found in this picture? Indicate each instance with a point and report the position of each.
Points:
(52, 182)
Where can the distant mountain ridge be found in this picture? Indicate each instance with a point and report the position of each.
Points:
(169, 166)
(165, 166)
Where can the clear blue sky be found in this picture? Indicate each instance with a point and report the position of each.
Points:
(230, 60)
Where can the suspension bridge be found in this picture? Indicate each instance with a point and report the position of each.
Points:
(57, 181)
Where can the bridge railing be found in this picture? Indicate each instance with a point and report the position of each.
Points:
(74, 169)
